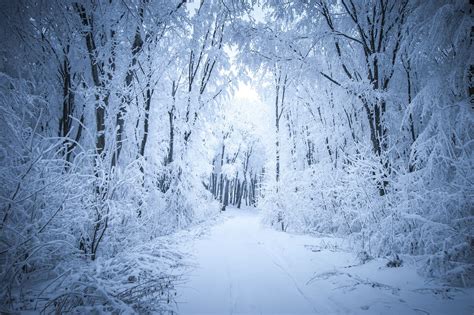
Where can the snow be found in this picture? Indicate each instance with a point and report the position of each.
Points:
(126, 134)
(245, 268)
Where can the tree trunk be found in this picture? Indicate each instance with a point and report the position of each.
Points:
(226, 194)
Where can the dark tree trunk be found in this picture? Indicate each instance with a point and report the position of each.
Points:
(226, 194)
(68, 109)
(97, 73)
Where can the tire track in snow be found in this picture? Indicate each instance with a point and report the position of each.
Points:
(240, 282)
(296, 285)
(276, 254)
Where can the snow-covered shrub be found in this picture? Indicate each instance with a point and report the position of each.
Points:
(57, 215)
(379, 145)
(186, 199)
(137, 281)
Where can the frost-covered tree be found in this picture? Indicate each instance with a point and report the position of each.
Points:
(374, 150)
(126, 120)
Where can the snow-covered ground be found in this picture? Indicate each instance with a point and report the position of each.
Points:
(242, 267)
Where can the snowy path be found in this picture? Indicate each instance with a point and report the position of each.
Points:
(244, 268)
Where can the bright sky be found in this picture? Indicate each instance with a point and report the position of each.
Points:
(247, 92)
(251, 110)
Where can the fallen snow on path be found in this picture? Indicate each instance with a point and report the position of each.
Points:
(245, 268)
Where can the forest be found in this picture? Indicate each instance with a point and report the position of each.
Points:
(131, 127)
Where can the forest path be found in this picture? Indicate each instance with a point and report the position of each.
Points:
(245, 268)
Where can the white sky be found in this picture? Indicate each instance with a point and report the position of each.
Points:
(247, 93)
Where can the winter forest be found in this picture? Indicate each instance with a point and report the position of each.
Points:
(236, 156)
